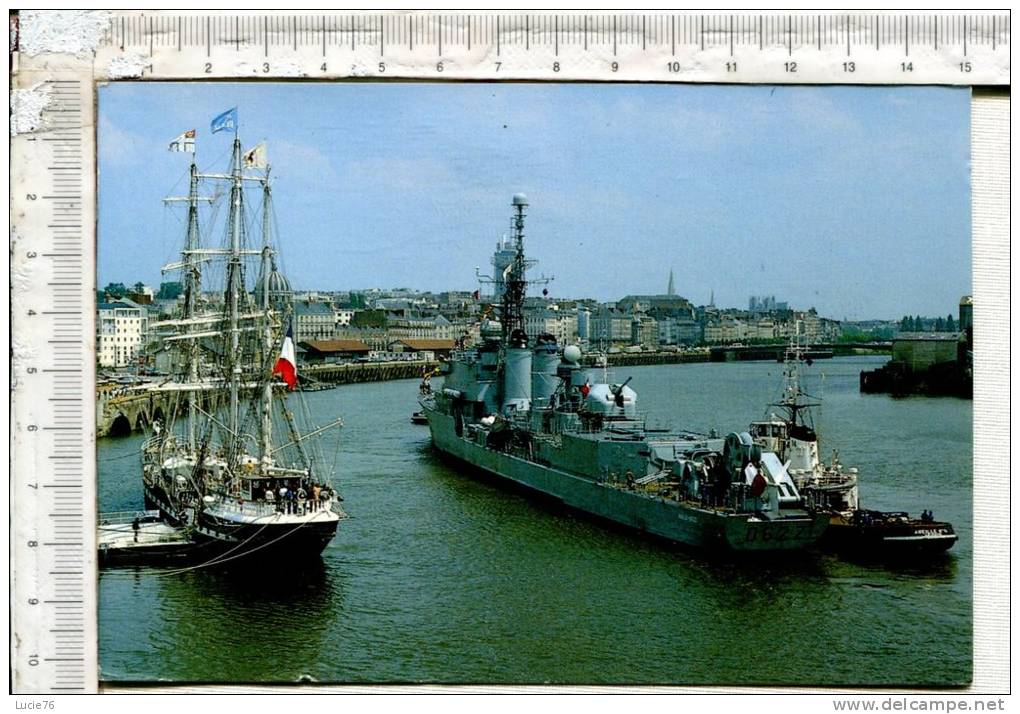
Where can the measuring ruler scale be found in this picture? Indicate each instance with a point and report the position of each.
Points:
(53, 601)
(877, 48)
(53, 171)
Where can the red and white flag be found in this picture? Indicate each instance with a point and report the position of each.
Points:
(286, 365)
(184, 142)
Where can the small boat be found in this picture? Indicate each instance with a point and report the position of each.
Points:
(419, 418)
(890, 534)
(138, 537)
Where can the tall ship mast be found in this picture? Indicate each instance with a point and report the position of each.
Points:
(527, 410)
(232, 464)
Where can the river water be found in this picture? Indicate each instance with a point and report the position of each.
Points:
(442, 577)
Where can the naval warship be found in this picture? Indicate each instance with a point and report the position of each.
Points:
(526, 410)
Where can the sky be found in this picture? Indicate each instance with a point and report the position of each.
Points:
(852, 200)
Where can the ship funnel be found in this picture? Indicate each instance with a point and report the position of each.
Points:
(545, 359)
(517, 380)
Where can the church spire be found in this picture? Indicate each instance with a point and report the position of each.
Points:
(671, 289)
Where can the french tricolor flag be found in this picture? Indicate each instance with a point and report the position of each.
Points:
(286, 365)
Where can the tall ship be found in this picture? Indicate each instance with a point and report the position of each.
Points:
(234, 466)
(525, 409)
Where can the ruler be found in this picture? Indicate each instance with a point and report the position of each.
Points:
(53, 610)
(740, 48)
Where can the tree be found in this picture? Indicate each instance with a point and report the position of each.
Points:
(115, 290)
(939, 325)
(169, 291)
(950, 323)
(139, 286)
(918, 324)
(907, 324)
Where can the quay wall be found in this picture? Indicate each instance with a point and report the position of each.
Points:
(634, 359)
(120, 412)
(358, 372)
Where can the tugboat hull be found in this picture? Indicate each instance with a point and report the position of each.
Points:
(678, 522)
(892, 536)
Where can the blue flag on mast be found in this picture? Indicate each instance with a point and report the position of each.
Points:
(226, 120)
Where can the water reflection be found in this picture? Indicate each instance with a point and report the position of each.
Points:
(270, 623)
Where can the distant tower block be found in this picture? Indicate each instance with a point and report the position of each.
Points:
(671, 288)
(501, 260)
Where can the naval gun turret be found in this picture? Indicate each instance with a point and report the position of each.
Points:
(612, 400)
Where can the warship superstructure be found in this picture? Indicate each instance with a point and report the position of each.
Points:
(525, 409)
(230, 466)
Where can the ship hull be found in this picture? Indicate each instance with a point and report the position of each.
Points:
(225, 540)
(679, 523)
(900, 541)
(255, 542)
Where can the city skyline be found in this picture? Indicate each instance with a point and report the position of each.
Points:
(739, 190)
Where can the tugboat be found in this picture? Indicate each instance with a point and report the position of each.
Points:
(831, 488)
(521, 408)
(893, 535)
(230, 466)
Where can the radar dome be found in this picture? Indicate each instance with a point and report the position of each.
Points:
(572, 354)
(520, 199)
